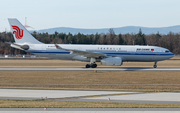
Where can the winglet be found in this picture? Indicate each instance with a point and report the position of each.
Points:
(58, 47)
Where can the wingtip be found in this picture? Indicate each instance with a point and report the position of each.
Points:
(57, 46)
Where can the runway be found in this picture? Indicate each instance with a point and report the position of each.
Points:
(89, 69)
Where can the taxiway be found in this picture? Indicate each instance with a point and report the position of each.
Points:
(100, 96)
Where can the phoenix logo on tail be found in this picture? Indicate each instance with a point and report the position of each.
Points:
(18, 33)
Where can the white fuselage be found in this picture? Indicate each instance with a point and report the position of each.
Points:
(113, 55)
(126, 52)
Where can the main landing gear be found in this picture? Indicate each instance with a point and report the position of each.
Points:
(92, 63)
(155, 64)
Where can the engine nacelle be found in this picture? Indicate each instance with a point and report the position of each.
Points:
(112, 61)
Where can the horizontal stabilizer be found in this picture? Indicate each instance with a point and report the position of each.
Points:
(24, 47)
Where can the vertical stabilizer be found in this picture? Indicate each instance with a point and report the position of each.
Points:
(20, 33)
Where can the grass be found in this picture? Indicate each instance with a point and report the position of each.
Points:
(89, 80)
(76, 104)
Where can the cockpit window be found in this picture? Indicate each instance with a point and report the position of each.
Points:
(167, 51)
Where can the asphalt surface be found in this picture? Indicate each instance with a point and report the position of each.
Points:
(160, 98)
(27, 94)
(122, 101)
(89, 69)
(92, 96)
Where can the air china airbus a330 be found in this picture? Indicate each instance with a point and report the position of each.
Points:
(112, 55)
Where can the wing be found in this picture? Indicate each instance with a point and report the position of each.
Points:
(82, 53)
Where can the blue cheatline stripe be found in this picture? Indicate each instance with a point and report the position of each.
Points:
(52, 52)
(101, 53)
(137, 53)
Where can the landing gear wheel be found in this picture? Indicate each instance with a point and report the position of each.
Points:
(91, 65)
(94, 66)
(88, 66)
(155, 66)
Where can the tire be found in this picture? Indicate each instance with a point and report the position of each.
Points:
(155, 66)
(94, 65)
(87, 66)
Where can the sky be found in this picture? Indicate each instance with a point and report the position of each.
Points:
(90, 14)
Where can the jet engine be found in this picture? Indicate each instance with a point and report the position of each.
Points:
(112, 61)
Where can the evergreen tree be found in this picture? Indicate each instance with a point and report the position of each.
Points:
(112, 35)
(140, 38)
(121, 41)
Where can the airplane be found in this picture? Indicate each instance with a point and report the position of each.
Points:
(111, 55)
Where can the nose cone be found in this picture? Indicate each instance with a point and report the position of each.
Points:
(171, 55)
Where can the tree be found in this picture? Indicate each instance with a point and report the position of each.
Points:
(70, 38)
(96, 38)
(112, 36)
(121, 41)
(140, 38)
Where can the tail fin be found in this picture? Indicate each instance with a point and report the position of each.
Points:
(20, 33)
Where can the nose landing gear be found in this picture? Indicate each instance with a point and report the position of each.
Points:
(155, 65)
